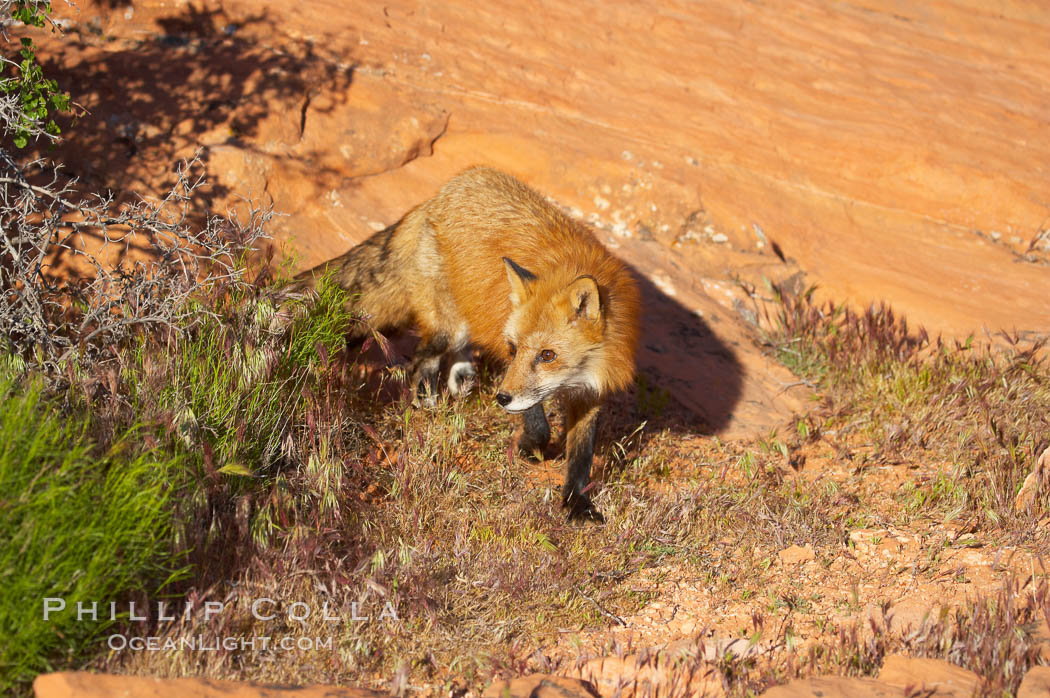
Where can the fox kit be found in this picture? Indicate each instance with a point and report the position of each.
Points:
(489, 263)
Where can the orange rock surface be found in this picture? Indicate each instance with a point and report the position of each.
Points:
(885, 151)
(871, 141)
(82, 684)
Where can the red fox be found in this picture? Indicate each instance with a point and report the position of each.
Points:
(489, 263)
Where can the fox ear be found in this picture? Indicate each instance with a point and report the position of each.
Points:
(584, 299)
(519, 278)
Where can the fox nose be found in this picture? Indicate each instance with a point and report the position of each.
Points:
(503, 399)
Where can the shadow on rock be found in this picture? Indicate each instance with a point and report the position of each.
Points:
(200, 78)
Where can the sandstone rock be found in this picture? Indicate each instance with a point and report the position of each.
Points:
(899, 677)
(910, 612)
(1040, 637)
(835, 687)
(796, 554)
(945, 678)
(82, 684)
(878, 188)
(1036, 683)
(539, 686)
(714, 649)
(671, 672)
(885, 544)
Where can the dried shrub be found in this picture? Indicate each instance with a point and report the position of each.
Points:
(80, 274)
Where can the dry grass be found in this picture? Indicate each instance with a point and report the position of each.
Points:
(983, 408)
(990, 636)
(361, 499)
(474, 554)
(375, 502)
(313, 482)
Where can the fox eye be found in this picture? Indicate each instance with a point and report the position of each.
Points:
(512, 349)
(546, 356)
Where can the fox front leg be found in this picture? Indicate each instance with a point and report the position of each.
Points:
(535, 432)
(582, 423)
(426, 365)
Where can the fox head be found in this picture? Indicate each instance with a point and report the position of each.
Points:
(554, 337)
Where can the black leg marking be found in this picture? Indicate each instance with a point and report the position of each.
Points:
(579, 452)
(537, 432)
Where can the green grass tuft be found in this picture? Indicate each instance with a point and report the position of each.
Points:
(74, 524)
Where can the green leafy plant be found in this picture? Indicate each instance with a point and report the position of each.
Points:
(37, 97)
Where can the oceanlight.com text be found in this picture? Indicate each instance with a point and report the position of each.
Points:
(198, 643)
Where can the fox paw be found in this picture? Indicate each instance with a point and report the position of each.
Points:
(425, 401)
(426, 393)
(461, 378)
(581, 508)
(586, 513)
(528, 448)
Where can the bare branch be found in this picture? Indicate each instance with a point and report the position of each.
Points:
(80, 274)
